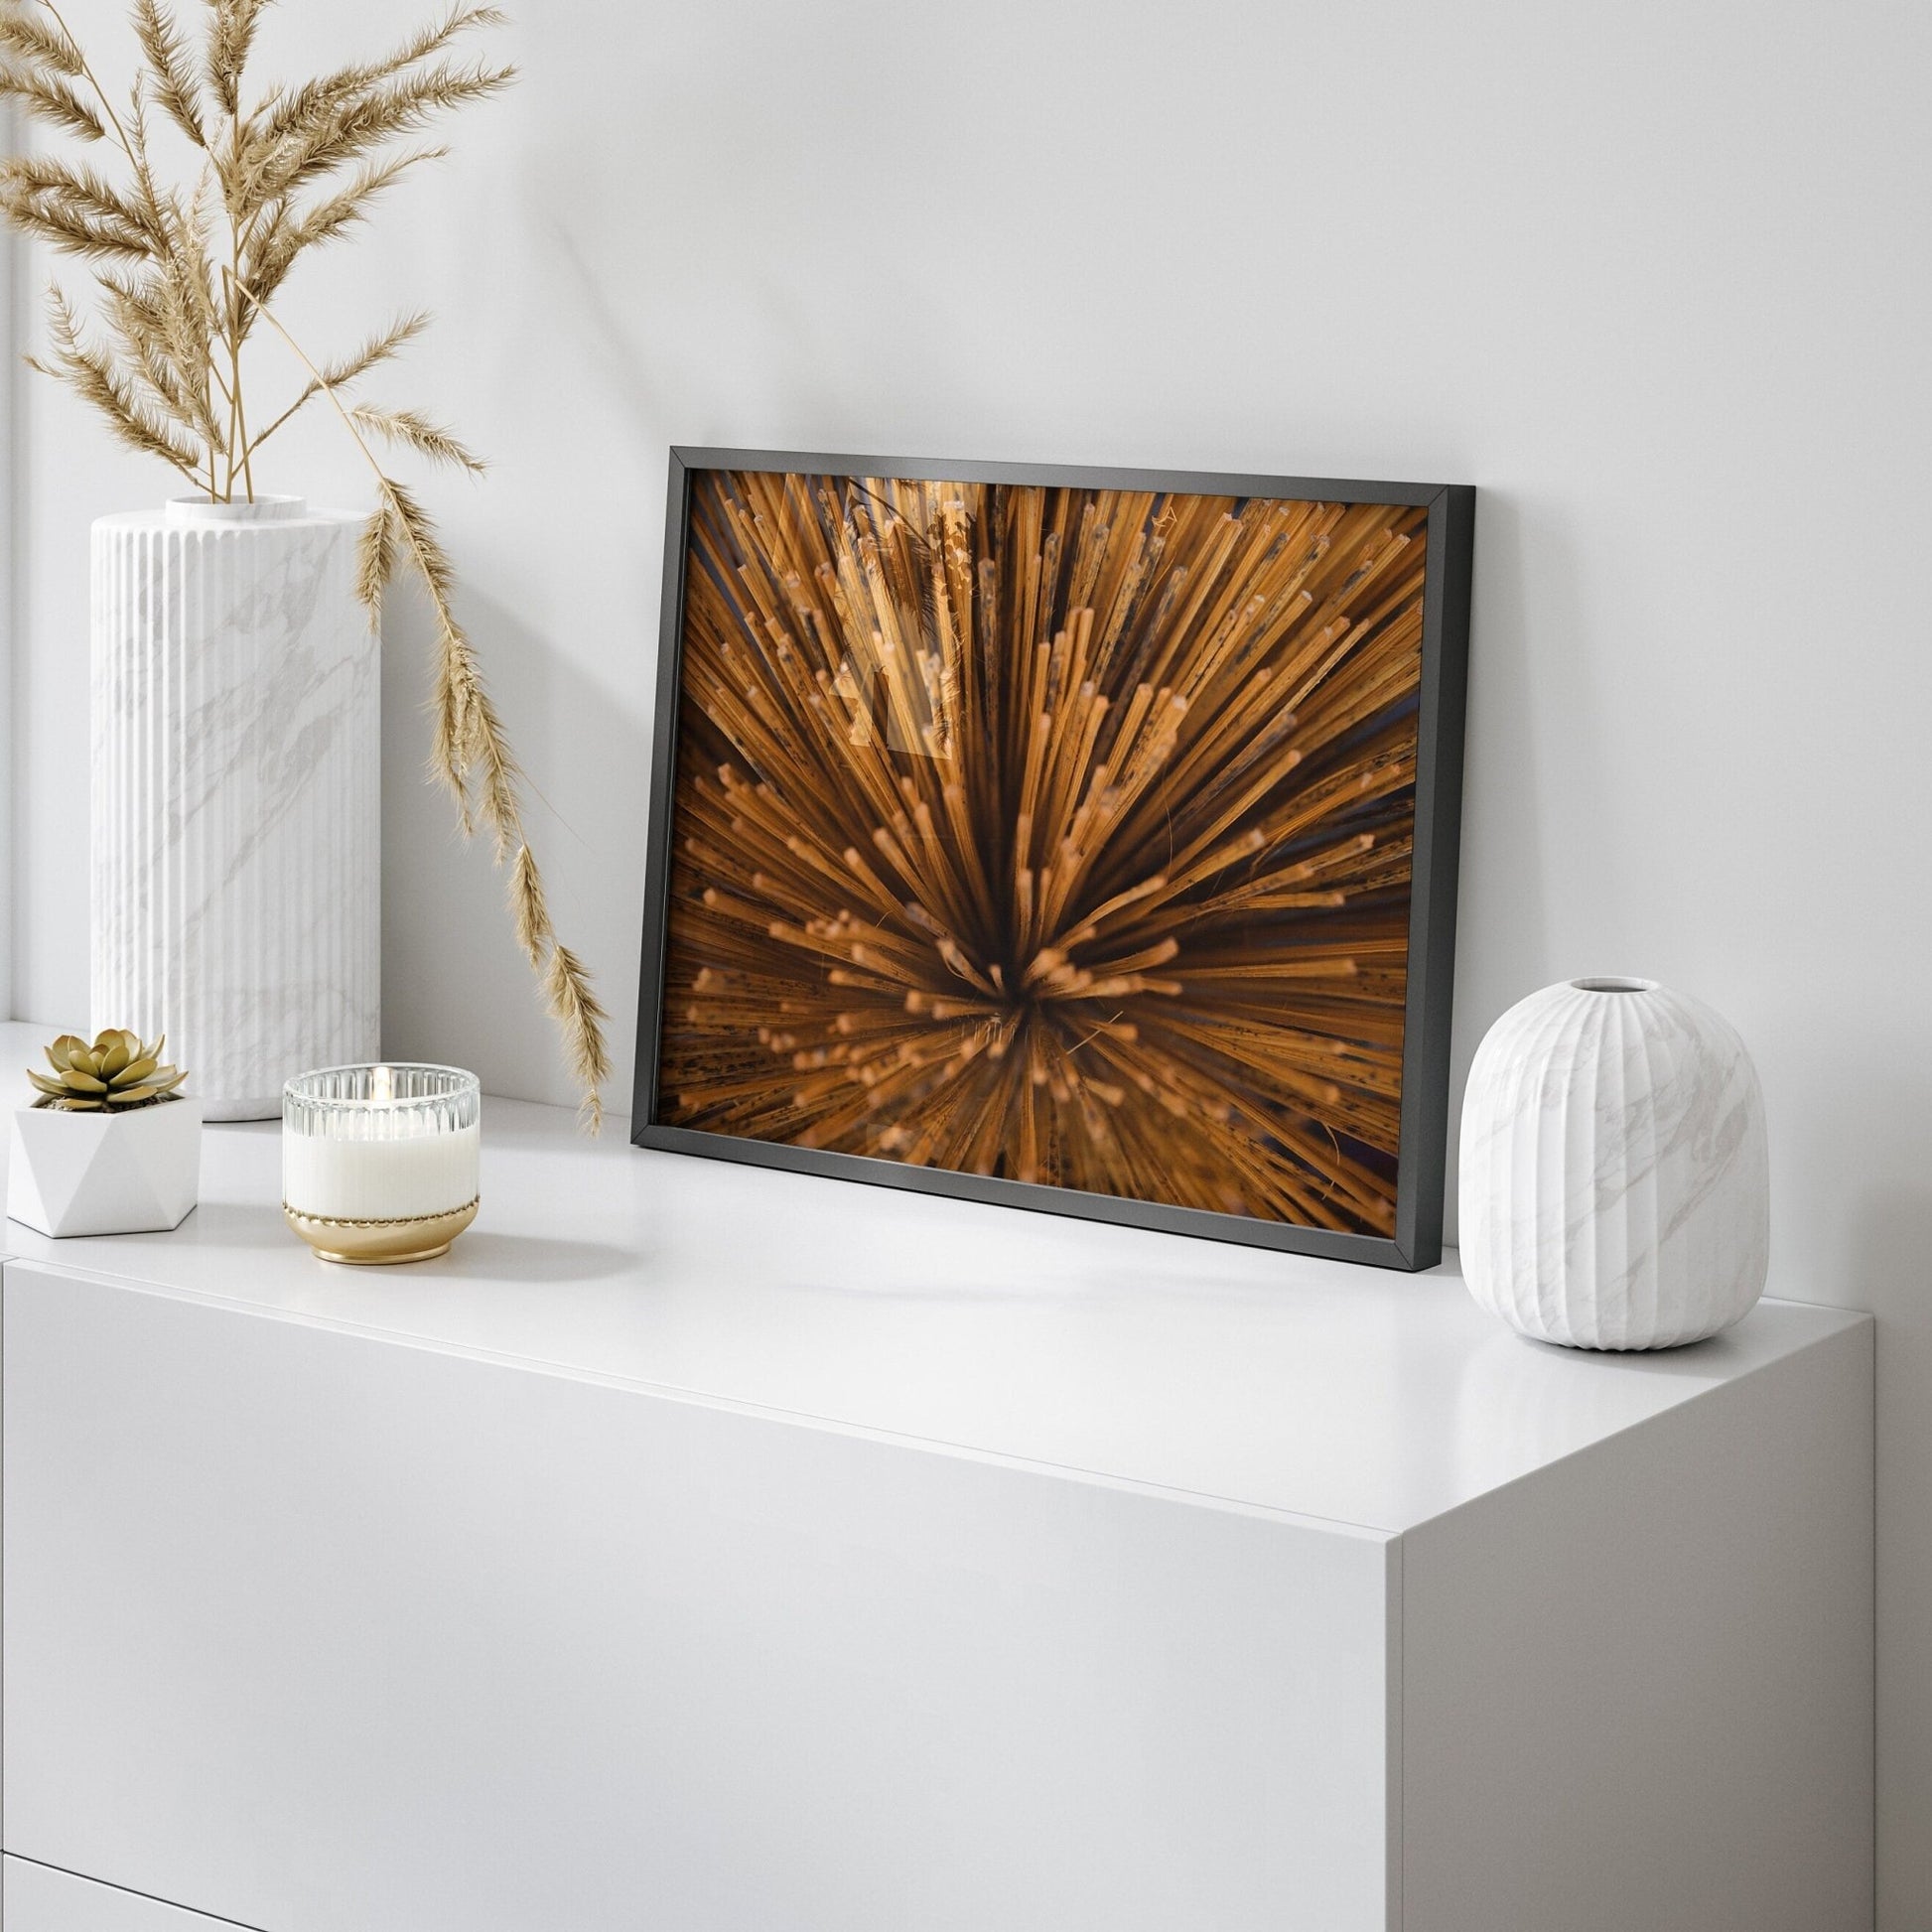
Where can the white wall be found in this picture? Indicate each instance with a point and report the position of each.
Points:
(12, 376)
(1652, 275)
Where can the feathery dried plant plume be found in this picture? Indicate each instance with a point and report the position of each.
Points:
(1058, 834)
(185, 274)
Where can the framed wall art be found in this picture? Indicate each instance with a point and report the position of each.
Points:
(1074, 839)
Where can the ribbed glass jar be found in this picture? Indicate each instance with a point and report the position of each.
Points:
(386, 1142)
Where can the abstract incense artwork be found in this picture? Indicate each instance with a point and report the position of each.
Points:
(1080, 839)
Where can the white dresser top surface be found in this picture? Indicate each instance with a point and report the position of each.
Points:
(1351, 1394)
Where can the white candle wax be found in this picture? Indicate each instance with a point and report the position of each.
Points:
(432, 1172)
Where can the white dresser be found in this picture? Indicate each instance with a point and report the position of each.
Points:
(699, 1549)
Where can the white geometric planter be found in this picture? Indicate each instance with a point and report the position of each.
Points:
(127, 1173)
(1614, 1185)
(236, 894)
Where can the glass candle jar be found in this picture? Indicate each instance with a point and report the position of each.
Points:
(379, 1163)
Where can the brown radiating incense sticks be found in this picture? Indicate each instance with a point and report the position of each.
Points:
(1058, 834)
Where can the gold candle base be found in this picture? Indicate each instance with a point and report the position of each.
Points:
(381, 1244)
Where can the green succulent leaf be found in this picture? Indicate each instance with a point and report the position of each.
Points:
(64, 1049)
(140, 1096)
(117, 1073)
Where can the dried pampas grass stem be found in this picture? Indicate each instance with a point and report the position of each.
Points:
(184, 275)
(469, 754)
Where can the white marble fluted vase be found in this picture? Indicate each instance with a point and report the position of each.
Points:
(1614, 1185)
(236, 888)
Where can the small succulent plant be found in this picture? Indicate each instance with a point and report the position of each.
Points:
(116, 1074)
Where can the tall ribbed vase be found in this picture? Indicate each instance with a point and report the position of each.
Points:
(1615, 1172)
(235, 892)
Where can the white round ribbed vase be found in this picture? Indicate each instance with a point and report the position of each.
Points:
(235, 883)
(1614, 1169)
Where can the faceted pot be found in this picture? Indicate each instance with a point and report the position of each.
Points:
(236, 883)
(1614, 1187)
(128, 1173)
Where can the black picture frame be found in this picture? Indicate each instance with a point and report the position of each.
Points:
(1424, 1104)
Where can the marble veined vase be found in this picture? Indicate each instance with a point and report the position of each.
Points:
(1614, 1187)
(236, 892)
